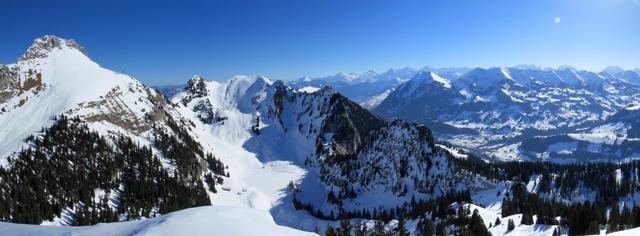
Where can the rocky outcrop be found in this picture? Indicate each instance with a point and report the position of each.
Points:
(41, 47)
(348, 124)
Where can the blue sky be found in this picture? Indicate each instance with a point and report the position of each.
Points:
(166, 42)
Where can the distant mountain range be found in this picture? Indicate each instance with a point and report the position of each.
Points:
(503, 112)
(82, 145)
(369, 88)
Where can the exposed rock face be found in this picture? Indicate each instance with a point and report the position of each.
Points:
(42, 46)
(196, 88)
(8, 78)
(14, 83)
(349, 124)
(116, 109)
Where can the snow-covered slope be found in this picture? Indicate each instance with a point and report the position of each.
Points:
(213, 220)
(52, 77)
(614, 139)
(493, 111)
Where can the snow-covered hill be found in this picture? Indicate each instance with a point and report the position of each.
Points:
(497, 111)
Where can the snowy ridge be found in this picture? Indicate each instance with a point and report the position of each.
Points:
(376, 100)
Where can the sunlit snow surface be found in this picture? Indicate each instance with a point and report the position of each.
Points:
(212, 220)
(69, 78)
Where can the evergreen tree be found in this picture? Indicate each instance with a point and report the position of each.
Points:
(378, 229)
(593, 228)
(424, 228)
(345, 227)
(527, 219)
(497, 221)
(614, 219)
(510, 225)
(476, 225)
(443, 208)
(441, 229)
(402, 228)
(360, 229)
(330, 231)
(635, 216)
(625, 218)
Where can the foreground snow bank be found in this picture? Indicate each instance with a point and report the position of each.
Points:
(630, 232)
(211, 220)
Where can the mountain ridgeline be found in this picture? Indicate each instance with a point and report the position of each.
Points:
(109, 148)
(524, 113)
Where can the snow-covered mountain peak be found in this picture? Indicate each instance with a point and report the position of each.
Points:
(197, 78)
(241, 85)
(196, 86)
(43, 46)
(250, 79)
(527, 67)
(505, 71)
(347, 76)
(485, 78)
(430, 77)
(566, 67)
(55, 76)
(241, 92)
(369, 73)
(613, 70)
(399, 75)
